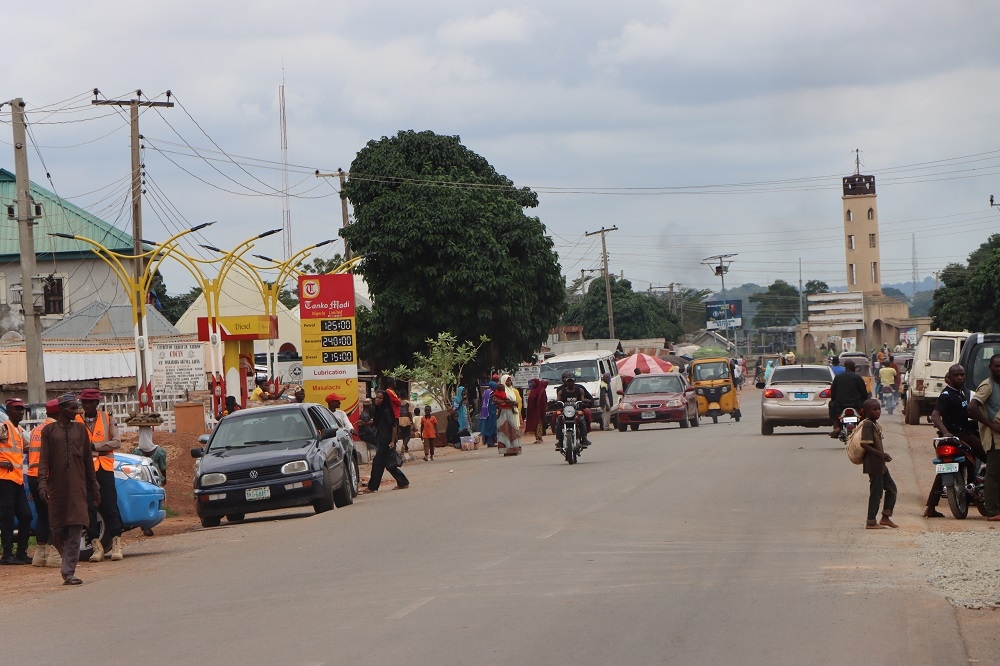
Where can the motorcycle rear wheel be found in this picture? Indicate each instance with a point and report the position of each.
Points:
(958, 499)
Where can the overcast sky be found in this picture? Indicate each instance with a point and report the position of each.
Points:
(739, 116)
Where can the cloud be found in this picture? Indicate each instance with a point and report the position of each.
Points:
(504, 26)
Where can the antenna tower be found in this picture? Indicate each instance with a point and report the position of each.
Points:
(286, 211)
(916, 275)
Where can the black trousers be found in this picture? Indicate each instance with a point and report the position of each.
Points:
(42, 508)
(379, 468)
(109, 507)
(937, 488)
(879, 483)
(13, 502)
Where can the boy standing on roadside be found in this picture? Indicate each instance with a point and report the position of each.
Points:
(875, 467)
(428, 431)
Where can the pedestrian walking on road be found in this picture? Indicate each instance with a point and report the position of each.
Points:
(428, 432)
(385, 434)
(875, 466)
(508, 432)
(66, 478)
(488, 416)
(104, 441)
(534, 420)
(13, 499)
(45, 552)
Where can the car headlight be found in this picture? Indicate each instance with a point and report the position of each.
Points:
(296, 467)
(725, 389)
(674, 403)
(212, 479)
(700, 391)
(569, 411)
(134, 472)
(625, 405)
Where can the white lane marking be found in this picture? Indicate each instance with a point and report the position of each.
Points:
(406, 610)
(484, 567)
(552, 533)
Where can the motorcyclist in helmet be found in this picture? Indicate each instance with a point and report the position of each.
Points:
(570, 393)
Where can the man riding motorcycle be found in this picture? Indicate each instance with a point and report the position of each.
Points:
(570, 393)
(848, 390)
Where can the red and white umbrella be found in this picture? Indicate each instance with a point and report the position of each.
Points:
(648, 364)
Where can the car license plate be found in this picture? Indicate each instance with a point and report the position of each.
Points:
(258, 493)
(850, 419)
(946, 468)
(649, 415)
(801, 396)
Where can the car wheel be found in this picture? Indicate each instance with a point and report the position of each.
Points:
(622, 427)
(211, 521)
(633, 426)
(355, 476)
(695, 422)
(235, 517)
(325, 503)
(684, 422)
(342, 496)
(912, 411)
(766, 427)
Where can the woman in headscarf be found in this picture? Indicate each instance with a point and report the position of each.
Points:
(460, 410)
(515, 396)
(508, 434)
(385, 441)
(535, 417)
(488, 416)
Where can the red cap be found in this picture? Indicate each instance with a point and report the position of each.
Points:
(52, 408)
(334, 396)
(90, 394)
(14, 402)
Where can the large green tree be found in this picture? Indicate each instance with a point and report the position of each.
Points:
(448, 248)
(778, 306)
(960, 303)
(637, 314)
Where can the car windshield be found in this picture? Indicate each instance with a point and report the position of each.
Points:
(980, 369)
(704, 372)
(656, 384)
(796, 375)
(261, 427)
(583, 371)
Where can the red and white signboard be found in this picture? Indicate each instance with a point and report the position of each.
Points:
(329, 338)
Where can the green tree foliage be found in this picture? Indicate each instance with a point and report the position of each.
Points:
(892, 292)
(960, 304)
(778, 306)
(690, 307)
(637, 314)
(171, 307)
(816, 287)
(449, 248)
(921, 303)
(289, 294)
(440, 369)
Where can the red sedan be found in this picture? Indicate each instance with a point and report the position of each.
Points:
(659, 398)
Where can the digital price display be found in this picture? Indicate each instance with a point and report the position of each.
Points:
(338, 357)
(337, 341)
(331, 325)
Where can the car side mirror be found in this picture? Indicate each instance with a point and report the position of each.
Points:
(203, 439)
(197, 452)
(620, 392)
(760, 385)
(328, 433)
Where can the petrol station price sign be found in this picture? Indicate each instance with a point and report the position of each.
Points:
(329, 338)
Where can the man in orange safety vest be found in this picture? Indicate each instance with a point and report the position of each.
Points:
(104, 440)
(46, 553)
(13, 499)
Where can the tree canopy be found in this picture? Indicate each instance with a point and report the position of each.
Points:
(966, 299)
(816, 287)
(637, 314)
(448, 248)
(778, 306)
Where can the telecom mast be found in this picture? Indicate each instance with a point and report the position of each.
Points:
(286, 211)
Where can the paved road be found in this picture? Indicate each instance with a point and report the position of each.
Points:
(700, 546)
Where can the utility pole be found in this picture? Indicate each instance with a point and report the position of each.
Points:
(607, 276)
(720, 270)
(26, 237)
(143, 356)
(801, 295)
(936, 274)
(342, 175)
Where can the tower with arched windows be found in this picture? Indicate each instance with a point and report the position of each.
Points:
(861, 235)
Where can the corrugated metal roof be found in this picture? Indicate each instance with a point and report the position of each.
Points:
(58, 216)
(67, 365)
(107, 320)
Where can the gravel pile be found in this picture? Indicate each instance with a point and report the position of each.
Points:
(964, 565)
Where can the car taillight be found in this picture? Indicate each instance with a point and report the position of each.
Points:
(947, 451)
(920, 385)
(850, 412)
(825, 393)
(773, 393)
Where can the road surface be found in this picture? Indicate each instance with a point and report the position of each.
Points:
(712, 545)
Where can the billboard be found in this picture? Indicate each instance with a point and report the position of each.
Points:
(717, 312)
(329, 342)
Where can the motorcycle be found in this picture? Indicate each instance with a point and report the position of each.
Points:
(849, 420)
(888, 398)
(962, 475)
(570, 419)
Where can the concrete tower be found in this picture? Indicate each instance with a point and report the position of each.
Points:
(864, 271)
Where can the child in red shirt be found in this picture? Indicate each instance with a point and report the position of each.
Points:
(428, 431)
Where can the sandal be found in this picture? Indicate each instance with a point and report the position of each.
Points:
(367, 491)
(72, 580)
